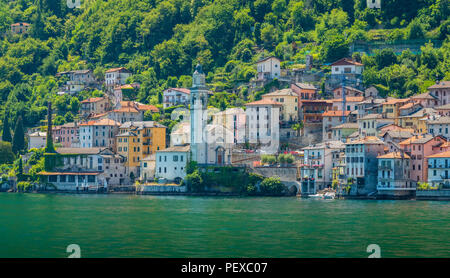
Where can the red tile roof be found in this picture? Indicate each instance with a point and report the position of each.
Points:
(337, 113)
(398, 155)
(345, 62)
(264, 102)
(91, 100)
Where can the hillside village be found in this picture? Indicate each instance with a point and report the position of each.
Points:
(262, 97)
(351, 140)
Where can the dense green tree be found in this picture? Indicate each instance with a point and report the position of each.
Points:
(6, 135)
(6, 153)
(18, 142)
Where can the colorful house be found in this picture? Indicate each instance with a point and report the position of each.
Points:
(439, 170)
(289, 102)
(394, 177)
(137, 140)
(418, 148)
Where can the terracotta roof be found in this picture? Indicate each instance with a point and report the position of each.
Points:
(126, 110)
(366, 140)
(78, 150)
(443, 154)
(20, 24)
(118, 69)
(397, 155)
(346, 61)
(338, 113)
(440, 85)
(408, 105)
(106, 122)
(146, 107)
(263, 102)
(349, 99)
(182, 90)
(93, 99)
(395, 101)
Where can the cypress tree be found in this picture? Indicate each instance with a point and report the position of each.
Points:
(20, 170)
(49, 148)
(18, 143)
(6, 136)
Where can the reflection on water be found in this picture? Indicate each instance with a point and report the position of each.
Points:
(34, 225)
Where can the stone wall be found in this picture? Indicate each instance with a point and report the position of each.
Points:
(149, 189)
(285, 173)
(433, 194)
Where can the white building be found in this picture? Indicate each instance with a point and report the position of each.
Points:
(37, 140)
(148, 167)
(234, 120)
(439, 126)
(346, 66)
(330, 120)
(181, 134)
(116, 76)
(171, 163)
(362, 163)
(439, 169)
(268, 68)
(99, 133)
(78, 80)
(319, 161)
(263, 124)
(441, 90)
(394, 177)
(176, 96)
(88, 169)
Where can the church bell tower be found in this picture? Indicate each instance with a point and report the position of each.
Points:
(198, 109)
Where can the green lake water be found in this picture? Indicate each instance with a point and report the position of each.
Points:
(39, 225)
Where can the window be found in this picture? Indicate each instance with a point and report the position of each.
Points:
(175, 158)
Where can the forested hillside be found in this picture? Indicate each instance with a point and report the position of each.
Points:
(161, 41)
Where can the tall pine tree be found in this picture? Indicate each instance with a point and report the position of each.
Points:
(49, 148)
(6, 136)
(18, 143)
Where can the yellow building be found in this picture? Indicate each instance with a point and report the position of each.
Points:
(417, 120)
(137, 140)
(391, 108)
(289, 100)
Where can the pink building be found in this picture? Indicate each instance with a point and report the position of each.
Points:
(441, 91)
(418, 147)
(66, 134)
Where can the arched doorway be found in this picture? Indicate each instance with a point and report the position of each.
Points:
(220, 155)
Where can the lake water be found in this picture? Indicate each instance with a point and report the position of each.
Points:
(39, 225)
